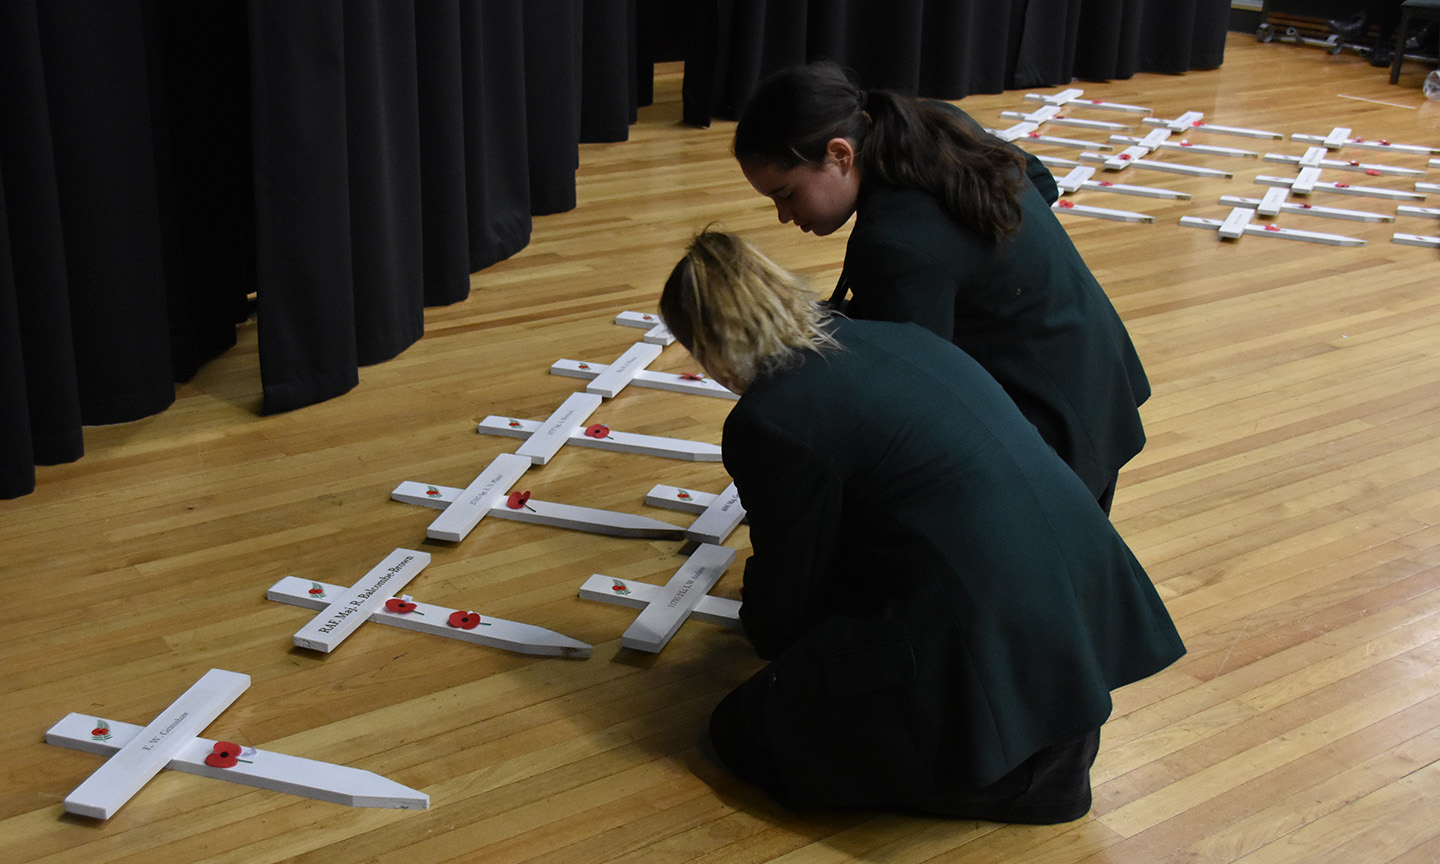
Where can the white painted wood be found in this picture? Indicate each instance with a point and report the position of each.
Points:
(1305, 183)
(1302, 208)
(1369, 144)
(1416, 240)
(1271, 204)
(323, 781)
(479, 498)
(1186, 144)
(1139, 191)
(1435, 163)
(1075, 179)
(1272, 230)
(1015, 133)
(1182, 123)
(1427, 188)
(1313, 157)
(1072, 98)
(625, 442)
(1127, 157)
(1343, 188)
(350, 608)
(656, 333)
(1054, 162)
(678, 498)
(1019, 130)
(1067, 206)
(718, 519)
(660, 620)
(542, 444)
(620, 373)
(1234, 225)
(638, 595)
(1061, 98)
(1195, 121)
(1154, 139)
(1153, 165)
(434, 620)
(1349, 165)
(677, 382)
(154, 746)
(1338, 137)
(1058, 119)
(539, 512)
(1426, 212)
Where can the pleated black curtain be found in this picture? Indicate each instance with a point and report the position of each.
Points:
(944, 49)
(336, 165)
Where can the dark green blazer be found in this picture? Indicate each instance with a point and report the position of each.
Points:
(939, 593)
(1029, 311)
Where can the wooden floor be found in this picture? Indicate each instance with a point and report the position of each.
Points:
(1287, 506)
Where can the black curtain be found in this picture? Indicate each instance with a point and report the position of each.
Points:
(945, 49)
(167, 167)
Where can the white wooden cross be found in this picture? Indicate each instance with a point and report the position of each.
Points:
(1274, 203)
(462, 624)
(1427, 188)
(172, 740)
(1423, 212)
(1031, 132)
(656, 332)
(1051, 114)
(1071, 98)
(348, 608)
(1238, 223)
(1195, 121)
(718, 515)
(1135, 156)
(607, 380)
(1185, 144)
(662, 616)
(520, 507)
(567, 425)
(1435, 163)
(1344, 188)
(1371, 168)
(1340, 137)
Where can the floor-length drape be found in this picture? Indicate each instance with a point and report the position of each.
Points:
(336, 165)
(945, 49)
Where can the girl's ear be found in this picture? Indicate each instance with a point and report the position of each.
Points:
(841, 152)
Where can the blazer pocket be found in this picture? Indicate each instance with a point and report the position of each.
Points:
(883, 665)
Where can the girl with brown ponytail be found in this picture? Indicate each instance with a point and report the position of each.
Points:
(954, 232)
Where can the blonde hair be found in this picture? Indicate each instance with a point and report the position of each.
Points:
(740, 314)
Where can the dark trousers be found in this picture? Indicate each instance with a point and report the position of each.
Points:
(1050, 787)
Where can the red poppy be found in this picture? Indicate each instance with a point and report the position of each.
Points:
(1272, 227)
(517, 499)
(399, 604)
(1198, 123)
(1342, 185)
(464, 620)
(316, 590)
(1126, 156)
(1372, 172)
(1185, 143)
(597, 430)
(691, 376)
(1106, 183)
(225, 755)
(683, 495)
(1035, 134)
(1066, 204)
(514, 424)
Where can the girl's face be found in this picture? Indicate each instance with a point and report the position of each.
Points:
(817, 198)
